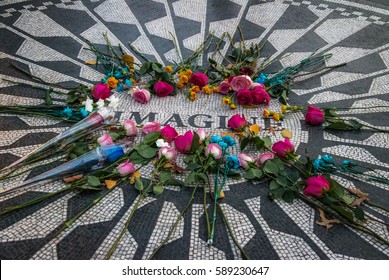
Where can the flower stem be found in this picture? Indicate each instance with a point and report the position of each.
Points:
(175, 224)
(242, 251)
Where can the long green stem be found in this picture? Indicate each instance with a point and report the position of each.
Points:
(175, 224)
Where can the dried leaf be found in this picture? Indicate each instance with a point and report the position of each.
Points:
(272, 130)
(167, 165)
(91, 62)
(360, 194)
(177, 169)
(250, 106)
(358, 201)
(110, 183)
(230, 66)
(73, 178)
(129, 60)
(326, 222)
(227, 133)
(134, 176)
(286, 133)
(221, 195)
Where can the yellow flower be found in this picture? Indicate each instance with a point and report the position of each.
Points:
(226, 100)
(255, 128)
(207, 90)
(284, 108)
(215, 89)
(266, 113)
(112, 82)
(192, 95)
(180, 85)
(276, 116)
(169, 69)
(132, 80)
(188, 72)
(233, 106)
(132, 71)
(195, 89)
(184, 79)
(134, 176)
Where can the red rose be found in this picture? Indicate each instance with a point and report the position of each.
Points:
(243, 97)
(199, 79)
(183, 143)
(246, 71)
(259, 96)
(163, 89)
(281, 148)
(316, 185)
(101, 91)
(314, 116)
(168, 133)
(237, 122)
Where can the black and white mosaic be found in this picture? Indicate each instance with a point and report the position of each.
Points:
(48, 39)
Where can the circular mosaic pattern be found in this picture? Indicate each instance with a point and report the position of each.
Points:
(48, 39)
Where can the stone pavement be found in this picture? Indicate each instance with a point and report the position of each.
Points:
(47, 38)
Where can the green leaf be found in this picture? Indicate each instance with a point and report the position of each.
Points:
(195, 142)
(276, 193)
(202, 176)
(288, 196)
(359, 213)
(144, 68)
(279, 163)
(48, 99)
(193, 166)
(282, 181)
(88, 187)
(233, 175)
(336, 190)
(343, 212)
(189, 158)
(93, 181)
(266, 141)
(271, 168)
(258, 173)
(114, 135)
(329, 113)
(244, 143)
(258, 143)
(249, 174)
(174, 182)
(138, 184)
(157, 189)
(156, 68)
(71, 99)
(283, 97)
(348, 200)
(274, 185)
(136, 158)
(146, 151)
(151, 138)
(356, 124)
(339, 125)
(211, 61)
(164, 176)
(191, 178)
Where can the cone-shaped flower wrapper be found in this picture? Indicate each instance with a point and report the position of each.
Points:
(78, 130)
(93, 160)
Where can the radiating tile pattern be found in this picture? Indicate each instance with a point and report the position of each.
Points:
(48, 38)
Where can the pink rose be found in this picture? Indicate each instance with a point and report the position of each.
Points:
(126, 168)
(243, 97)
(264, 157)
(237, 122)
(314, 116)
(254, 85)
(183, 143)
(169, 153)
(241, 82)
(163, 89)
(101, 91)
(224, 87)
(130, 127)
(281, 148)
(202, 134)
(316, 185)
(151, 127)
(199, 79)
(259, 96)
(105, 140)
(214, 150)
(245, 160)
(168, 133)
(141, 95)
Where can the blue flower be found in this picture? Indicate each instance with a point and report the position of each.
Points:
(261, 79)
(215, 139)
(327, 158)
(104, 80)
(348, 163)
(317, 163)
(233, 161)
(67, 112)
(84, 113)
(223, 145)
(127, 82)
(228, 140)
(120, 87)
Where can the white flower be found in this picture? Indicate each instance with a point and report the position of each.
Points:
(100, 104)
(161, 143)
(113, 102)
(88, 105)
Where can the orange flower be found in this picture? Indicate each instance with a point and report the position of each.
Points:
(276, 117)
(180, 85)
(226, 100)
(215, 89)
(184, 79)
(169, 69)
(132, 71)
(112, 82)
(207, 90)
(195, 89)
(255, 128)
(188, 72)
(233, 106)
(266, 113)
(192, 95)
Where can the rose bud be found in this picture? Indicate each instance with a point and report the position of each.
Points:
(316, 185)
(224, 87)
(105, 140)
(214, 150)
(264, 157)
(168, 133)
(241, 82)
(163, 89)
(245, 160)
(169, 153)
(314, 116)
(126, 168)
(237, 122)
(141, 95)
(101, 91)
(202, 134)
(199, 79)
(281, 148)
(151, 127)
(130, 127)
(183, 143)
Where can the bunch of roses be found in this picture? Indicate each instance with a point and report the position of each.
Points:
(247, 92)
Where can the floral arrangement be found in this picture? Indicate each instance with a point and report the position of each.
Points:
(116, 153)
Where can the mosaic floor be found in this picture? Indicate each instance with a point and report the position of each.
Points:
(47, 38)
